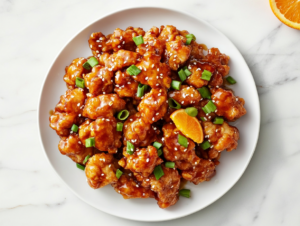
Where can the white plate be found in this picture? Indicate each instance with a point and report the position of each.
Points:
(232, 165)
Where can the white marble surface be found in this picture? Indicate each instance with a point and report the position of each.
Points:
(32, 33)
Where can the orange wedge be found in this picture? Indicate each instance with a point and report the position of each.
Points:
(287, 11)
(188, 125)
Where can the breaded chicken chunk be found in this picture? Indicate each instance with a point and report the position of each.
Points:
(62, 122)
(219, 59)
(125, 85)
(142, 161)
(105, 105)
(72, 147)
(154, 105)
(73, 71)
(186, 96)
(228, 105)
(72, 101)
(104, 131)
(168, 33)
(97, 43)
(197, 68)
(100, 170)
(120, 59)
(99, 80)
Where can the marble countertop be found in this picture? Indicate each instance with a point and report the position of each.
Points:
(31, 35)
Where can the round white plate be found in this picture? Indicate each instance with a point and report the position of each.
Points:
(232, 165)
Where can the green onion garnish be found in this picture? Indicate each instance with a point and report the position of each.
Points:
(119, 173)
(138, 40)
(170, 164)
(191, 111)
(205, 93)
(93, 61)
(74, 128)
(159, 152)
(205, 145)
(185, 193)
(203, 119)
(182, 75)
(230, 80)
(183, 141)
(218, 120)
(122, 115)
(158, 172)
(133, 70)
(209, 107)
(129, 148)
(80, 82)
(173, 103)
(175, 84)
(79, 166)
(90, 142)
(157, 145)
(141, 90)
(191, 36)
(86, 159)
(188, 41)
(206, 75)
(87, 66)
(186, 71)
(119, 126)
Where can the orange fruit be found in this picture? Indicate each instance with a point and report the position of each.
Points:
(188, 125)
(287, 11)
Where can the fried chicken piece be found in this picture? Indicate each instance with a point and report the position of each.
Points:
(154, 105)
(168, 33)
(100, 170)
(221, 137)
(166, 187)
(104, 130)
(120, 59)
(98, 45)
(105, 105)
(168, 114)
(228, 105)
(131, 189)
(72, 101)
(172, 150)
(138, 132)
(219, 60)
(198, 50)
(125, 86)
(203, 171)
(186, 96)
(62, 122)
(99, 80)
(153, 72)
(72, 147)
(142, 161)
(73, 71)
(196, 68)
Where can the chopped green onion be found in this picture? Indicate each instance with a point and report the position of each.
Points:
(206, 75)
(173, 103)
(182, 75)
(157, 145)
(79, 166)
(203, 119)
(87, 66)
(205, 145)
(130, 148)
(158, 172)
(185, 193)
(74, 128)
(230, 80)
(187, 72)
(218, 120)
(133, 70)
(141, 90)
(93, 61)
(80, 82)
(191, 36)
(119, 126)
(183, 141)
(159, 152)
(86, 159)
(138, 40)
(122, 115)
(175, 84)
(205, 93)
(90, 142)
(119, 173)
(170, 164)
(191, 111)
(209, 107)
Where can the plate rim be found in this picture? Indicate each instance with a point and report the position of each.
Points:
(172, 9)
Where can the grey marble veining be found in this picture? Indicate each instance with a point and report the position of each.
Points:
(33, 32)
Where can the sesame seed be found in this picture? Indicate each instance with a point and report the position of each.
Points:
(195, 163)
(237, 99)
(157, 69)
(100, 45)
(152, 66)
(147, 160)
(147, 179)
(143, 194)
(107, 120)
(121, 37)
(146, 78)
(102, 174)
(153, 119)
(79, 115)
(91, 46)
(119, 46)
(110, 103)
(78, 104)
